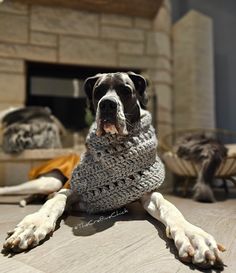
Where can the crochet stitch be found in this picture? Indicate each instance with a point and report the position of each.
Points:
(117, 170)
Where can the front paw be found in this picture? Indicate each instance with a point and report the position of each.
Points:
(29, 232)
(196, 246)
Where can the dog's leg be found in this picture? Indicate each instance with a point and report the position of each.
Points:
(46, 184)
(193, 244)
(34, 227)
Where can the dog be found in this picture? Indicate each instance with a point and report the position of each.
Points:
(118, 101)
(208, 153)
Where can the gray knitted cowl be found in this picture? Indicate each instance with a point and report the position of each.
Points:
(117, 170)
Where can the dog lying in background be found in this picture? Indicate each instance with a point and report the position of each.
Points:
(209, 154)
(122, 127)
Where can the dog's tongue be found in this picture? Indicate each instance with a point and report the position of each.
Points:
(110, 128)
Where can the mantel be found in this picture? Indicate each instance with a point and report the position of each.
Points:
(142, 8)
(39, 154)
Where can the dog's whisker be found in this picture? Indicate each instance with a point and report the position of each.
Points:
(131, 125)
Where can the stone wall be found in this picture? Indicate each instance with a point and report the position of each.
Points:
(60, 35)
(194, 95)
(38, 33)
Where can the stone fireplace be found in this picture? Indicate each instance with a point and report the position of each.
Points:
(59, 35)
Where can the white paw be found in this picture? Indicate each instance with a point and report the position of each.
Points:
(196, 246)
(29, 232)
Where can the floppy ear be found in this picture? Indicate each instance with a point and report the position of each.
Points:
(88, 89)
(140, 86)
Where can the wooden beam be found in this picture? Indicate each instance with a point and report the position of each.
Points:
(142, 8)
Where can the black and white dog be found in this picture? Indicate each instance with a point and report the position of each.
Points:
(117, 100)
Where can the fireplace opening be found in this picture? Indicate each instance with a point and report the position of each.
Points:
(60, 87)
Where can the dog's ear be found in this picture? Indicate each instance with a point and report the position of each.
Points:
(88, 89)
(140, 86)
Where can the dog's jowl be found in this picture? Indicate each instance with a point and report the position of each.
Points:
(119, 166)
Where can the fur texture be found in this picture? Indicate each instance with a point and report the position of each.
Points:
(208, 153)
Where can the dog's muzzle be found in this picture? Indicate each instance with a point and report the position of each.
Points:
(108, 107)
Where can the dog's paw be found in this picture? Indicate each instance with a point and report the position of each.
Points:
(196, 246)
(29, 232)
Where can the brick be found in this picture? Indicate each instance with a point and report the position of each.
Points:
(11, 65)
(162, 63)
(6, 105)
(143, 62)
(131, 61)
(142, 23)
(167, 5)
(44, 39)
(28, 52)
(13, 28)
(64, 21)
(122, 33)
(163, 129)
(13, 7)
(117, 20)
(158, 43)
(160, 76)
(162, 22)
(165, 116)
(20, 173)
(12, 87)
(87, 51)
(164, 95)
(131, 48)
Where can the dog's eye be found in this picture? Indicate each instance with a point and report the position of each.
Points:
(99, 92)
(125, 90)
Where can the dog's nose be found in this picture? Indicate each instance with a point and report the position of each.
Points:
(108, 105)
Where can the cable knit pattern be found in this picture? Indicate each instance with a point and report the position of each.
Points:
(117, 170)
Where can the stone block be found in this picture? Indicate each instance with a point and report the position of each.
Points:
(119, 33)
(167, 5)
(163, 129)
(44, 39)
(131, 48)
(142, 23)
(144, 62)
(138, 62)
(19, 175)
(116, 20)
(6, 105)
(162, 21)
(11, 65)
(158, 43)
(161, 76)
(194, 72)
(11, 6)
(28, 52)
(164, 115)
(64, 21)
(13, 28)
(164, 95)
(87, 51)
(161, 63)
(12, 88)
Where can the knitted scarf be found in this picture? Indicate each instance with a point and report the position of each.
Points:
(117, 170)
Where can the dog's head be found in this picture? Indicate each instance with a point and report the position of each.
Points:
(116, 100)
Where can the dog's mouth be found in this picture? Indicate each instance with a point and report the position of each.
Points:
(108, 127)
(110, 117)
(105, 127)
